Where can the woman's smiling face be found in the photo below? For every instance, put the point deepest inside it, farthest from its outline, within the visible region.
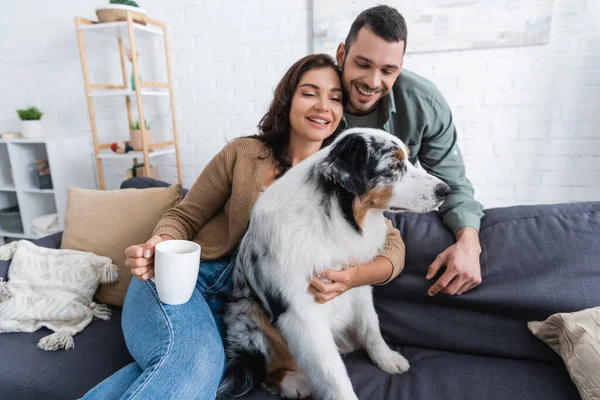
(316, 108)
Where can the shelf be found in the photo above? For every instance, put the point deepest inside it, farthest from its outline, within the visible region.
(16, 235)
(107, 153)
(70, 166)
(9, 200)
(7, 188)
(126, 92)
(25, 141)
(128, 31)
(36, 190)
(120, 28)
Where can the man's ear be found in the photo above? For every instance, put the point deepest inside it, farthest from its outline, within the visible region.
(346, 164)
(340, 54)
(399, 69)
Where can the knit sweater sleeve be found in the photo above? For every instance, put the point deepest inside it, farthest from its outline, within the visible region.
(394, 251)
(206, 196)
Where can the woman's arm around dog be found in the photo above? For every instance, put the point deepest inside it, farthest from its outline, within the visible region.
(384, 268)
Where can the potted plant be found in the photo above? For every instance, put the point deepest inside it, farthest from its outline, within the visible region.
(117, 11)
(31, 122)
(135, 133)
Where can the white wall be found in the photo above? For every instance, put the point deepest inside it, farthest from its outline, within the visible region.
(528, 117)
(226, 61)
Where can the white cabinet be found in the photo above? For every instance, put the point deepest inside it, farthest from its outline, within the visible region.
(71, 164)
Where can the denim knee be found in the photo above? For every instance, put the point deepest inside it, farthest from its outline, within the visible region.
(210, 355)
(205, 364)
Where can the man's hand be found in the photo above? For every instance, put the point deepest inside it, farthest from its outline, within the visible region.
(463, 271)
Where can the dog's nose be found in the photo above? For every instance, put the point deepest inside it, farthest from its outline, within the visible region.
(442, 191)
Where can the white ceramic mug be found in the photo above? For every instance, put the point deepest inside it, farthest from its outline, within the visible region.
(176, 265)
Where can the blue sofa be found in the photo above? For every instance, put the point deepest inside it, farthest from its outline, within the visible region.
(536, 261)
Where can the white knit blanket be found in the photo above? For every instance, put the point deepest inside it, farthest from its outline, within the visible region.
(52, 288)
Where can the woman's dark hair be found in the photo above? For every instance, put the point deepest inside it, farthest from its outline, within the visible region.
(385, 21)
(274, 127)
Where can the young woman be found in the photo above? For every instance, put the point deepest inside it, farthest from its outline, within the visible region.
(178, 350)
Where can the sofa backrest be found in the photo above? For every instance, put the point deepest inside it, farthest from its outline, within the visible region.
(535, 261)
(142, 182)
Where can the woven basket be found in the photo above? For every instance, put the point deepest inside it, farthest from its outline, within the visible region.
(117, 12)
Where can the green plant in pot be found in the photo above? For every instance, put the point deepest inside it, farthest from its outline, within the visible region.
(124, 2)
(117, 11)
(31, 122)
(135, 134)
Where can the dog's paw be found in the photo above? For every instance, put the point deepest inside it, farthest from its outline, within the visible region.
(292, 386)
(391, 362)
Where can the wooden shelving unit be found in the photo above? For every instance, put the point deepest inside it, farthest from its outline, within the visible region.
(143, 89)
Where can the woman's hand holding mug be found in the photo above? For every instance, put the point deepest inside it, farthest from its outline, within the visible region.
(140, 257)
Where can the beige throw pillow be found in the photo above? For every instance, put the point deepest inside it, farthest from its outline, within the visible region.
(106, 222)
(576, 338)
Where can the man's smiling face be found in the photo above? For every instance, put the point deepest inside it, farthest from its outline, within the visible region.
(369, 70)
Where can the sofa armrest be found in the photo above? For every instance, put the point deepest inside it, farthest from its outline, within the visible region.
(51, 241)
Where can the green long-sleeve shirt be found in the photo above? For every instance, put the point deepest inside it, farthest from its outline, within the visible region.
(416, 112)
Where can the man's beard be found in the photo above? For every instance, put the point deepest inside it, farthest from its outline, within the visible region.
(358, 106)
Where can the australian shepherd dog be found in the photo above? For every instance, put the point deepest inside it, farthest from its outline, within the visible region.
(326, 212)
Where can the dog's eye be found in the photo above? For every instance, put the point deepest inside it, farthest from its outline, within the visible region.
(396, 164)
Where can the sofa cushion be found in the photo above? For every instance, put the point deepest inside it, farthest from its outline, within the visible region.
(106, 222)
(535, 261)
(436, 374)
(27, 372)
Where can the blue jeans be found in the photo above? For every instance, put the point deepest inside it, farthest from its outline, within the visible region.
(178, 350)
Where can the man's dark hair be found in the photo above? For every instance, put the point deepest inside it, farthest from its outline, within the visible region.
(384, 21)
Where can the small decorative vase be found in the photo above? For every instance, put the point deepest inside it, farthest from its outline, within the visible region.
(136, 138)
(31, 129)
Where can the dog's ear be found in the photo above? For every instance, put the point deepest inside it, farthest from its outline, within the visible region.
(346, 164)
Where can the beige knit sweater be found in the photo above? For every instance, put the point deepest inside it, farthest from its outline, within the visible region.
(216, 211)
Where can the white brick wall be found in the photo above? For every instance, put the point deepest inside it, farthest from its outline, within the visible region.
(528, 117)
(226, 60)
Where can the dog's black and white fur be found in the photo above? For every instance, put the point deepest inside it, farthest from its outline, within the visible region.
(326, 212)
